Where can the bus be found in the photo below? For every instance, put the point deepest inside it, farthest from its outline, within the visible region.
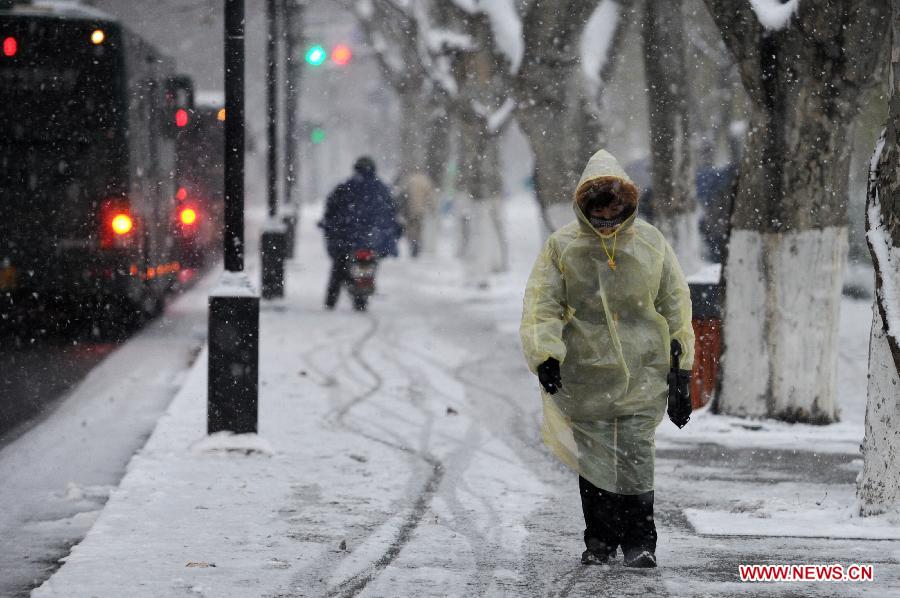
(89, 117)
(200, 182)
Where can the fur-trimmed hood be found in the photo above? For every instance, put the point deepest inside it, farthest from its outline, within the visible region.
(601, 170)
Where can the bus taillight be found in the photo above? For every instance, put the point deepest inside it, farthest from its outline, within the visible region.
(10, 47)
(188, 216)
(181, 118)
(116, 224)
(122, 224)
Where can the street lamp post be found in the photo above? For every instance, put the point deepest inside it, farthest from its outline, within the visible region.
(233, 367)
(272, 245)
(293, 34)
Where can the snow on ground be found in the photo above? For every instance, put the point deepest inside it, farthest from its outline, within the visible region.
(399, 455)
(56, 476)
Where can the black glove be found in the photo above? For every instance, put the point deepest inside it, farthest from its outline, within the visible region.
(549, 376)
(679, 407)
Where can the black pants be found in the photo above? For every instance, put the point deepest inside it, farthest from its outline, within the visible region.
(340, 273)
(614, 520)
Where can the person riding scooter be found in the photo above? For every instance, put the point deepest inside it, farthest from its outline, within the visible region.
(359, 215)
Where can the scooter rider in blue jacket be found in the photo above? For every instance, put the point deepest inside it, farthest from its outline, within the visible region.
(359, 214)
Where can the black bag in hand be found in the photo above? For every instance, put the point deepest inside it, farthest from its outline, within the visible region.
(679, 408)
(549, 376)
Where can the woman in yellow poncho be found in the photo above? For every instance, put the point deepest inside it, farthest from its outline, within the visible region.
(604, 300)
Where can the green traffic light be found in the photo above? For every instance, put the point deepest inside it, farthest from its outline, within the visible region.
(317, 136)
(316, 55)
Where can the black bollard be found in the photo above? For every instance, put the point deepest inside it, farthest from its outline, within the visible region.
(232, 403)
(272, 247)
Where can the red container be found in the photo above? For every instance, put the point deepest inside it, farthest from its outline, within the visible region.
(707, 350)
(706, 307)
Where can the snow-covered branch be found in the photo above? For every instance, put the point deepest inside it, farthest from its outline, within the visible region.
(886, 257)
(506, 26)
(597, 41)
(774, 15)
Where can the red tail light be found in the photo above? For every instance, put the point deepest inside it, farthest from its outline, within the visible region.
(181, 118)
(188, 216)
(364, 255)
(10, 47)
(116, 224)
(122, 224)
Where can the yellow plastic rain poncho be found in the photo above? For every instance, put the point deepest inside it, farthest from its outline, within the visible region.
(606, 306)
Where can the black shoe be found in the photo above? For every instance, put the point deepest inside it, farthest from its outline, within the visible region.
(639, 558)
(591, 557)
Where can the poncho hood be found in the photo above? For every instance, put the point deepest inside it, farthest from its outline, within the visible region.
(601, 170)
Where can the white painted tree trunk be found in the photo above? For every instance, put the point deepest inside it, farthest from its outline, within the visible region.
(486, 246)
(782, 309)
(682, 231)
(557, 216)
(789, 217)
(878, 485)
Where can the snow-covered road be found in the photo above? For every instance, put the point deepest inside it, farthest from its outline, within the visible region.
(57, 474)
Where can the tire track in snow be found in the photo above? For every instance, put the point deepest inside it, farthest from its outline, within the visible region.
(521, 427)
(521, 424)
(356, 583)
(480, 544)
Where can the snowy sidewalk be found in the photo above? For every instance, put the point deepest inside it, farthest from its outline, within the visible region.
(399, 455)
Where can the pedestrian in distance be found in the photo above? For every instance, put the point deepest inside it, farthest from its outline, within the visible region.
(359, 214)
(605, 306)
(419, 205)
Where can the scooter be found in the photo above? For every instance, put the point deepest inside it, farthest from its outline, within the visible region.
(362, 277)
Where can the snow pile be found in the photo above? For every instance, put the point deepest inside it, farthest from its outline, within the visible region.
(777, 518)
(77, 492)
(225, 443)
(708, 274)
(775, 14)
(234, 284)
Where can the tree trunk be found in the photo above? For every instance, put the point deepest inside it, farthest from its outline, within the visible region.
(555, 112)
(480, 185)
(557, 163)
(674, 201)
(878, 488)
(789, 225)
(413, 130)
(477, 72)
(437, 148)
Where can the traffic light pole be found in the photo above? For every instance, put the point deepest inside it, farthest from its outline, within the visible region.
(272, 245)
(233, 366)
